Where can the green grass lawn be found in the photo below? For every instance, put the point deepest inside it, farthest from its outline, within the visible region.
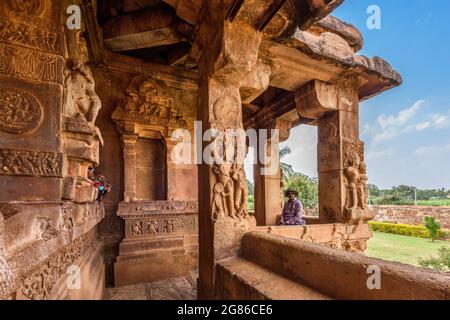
(404, 249)
(436, 203)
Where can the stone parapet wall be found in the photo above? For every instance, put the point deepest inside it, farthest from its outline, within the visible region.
(412, 215)
(339, 274)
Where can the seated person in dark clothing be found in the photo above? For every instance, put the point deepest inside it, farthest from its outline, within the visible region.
(292, 210)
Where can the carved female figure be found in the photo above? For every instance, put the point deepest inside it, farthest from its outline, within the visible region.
(223, 193)
(80, 97)
(351, 173)
(362, 183)
(241, 191)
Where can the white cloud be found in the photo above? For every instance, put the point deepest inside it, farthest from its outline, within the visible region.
(402, 117)
(395, 125)
(432, 151)
(436, 120)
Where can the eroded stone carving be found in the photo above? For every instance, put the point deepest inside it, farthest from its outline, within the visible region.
(30, 163)
(67, 223)
(6, 277)
(240, 191)
(8, 211)
(147, 101)
(20, 111)
(31, 35)
(136, 228)
(134, 209)
(223, 193)
(80, 99)
(40, 283)
(30, 64)
(43, 229)
(355, 182)
(163, 224)
(29, 7)
(227, 112)
(356, 246)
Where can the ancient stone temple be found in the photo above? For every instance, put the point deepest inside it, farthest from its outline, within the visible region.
(96, 98)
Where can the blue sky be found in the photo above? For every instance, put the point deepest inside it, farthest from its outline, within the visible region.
(407, 129)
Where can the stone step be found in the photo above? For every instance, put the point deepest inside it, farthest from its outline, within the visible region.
(240, 279)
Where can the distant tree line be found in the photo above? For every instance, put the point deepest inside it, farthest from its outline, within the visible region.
(406, 195)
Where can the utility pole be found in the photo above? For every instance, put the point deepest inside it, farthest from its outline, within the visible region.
(415, 196)
(368, 193)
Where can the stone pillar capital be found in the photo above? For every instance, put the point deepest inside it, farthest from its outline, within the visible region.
(129, 138)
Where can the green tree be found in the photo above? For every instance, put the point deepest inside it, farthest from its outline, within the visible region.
(306, 187)
(433, 227)
(374, 190)
(251, 188)
(441, 262)
(286, 169)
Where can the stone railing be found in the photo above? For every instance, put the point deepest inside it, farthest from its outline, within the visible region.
(412, 215)
(342, 275)
(339, 236)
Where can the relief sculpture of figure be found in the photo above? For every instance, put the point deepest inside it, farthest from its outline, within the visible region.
(223, 193)
(241, 191)
(362, 183)
(351, 172)
(80, 99)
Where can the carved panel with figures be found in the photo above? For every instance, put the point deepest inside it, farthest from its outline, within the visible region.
(30, 163)
(146, 104)
(28, 7)
(43, 36)
(30, 64)
(40, 283)
(20, 111)
(161, 225)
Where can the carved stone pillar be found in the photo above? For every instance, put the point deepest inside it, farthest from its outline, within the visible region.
(268, 187)
(342, 172)
(228, 54)
(171, 172)
(129, 158)
(31, 79)
(48, 140)
(267, 195)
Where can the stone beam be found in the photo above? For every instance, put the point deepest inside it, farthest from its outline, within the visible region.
(256, 82)
(146, 28)
(265, 116)
(188, 10)
(326, 56)
(309, 11)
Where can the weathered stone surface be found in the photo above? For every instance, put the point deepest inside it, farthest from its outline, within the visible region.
(351, 238)
(411, 215)
(184, 288)
(239, 279)
(317, 267)
(157, 234)
(345, 30)
(150, 27)
(68, 105)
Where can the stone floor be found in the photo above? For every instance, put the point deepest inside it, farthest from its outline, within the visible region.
(184, 288)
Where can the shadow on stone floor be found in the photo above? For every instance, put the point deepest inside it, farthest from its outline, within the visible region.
(184, 288)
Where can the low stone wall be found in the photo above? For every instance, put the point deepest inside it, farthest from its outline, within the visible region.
(339, 274)
(411, 214)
